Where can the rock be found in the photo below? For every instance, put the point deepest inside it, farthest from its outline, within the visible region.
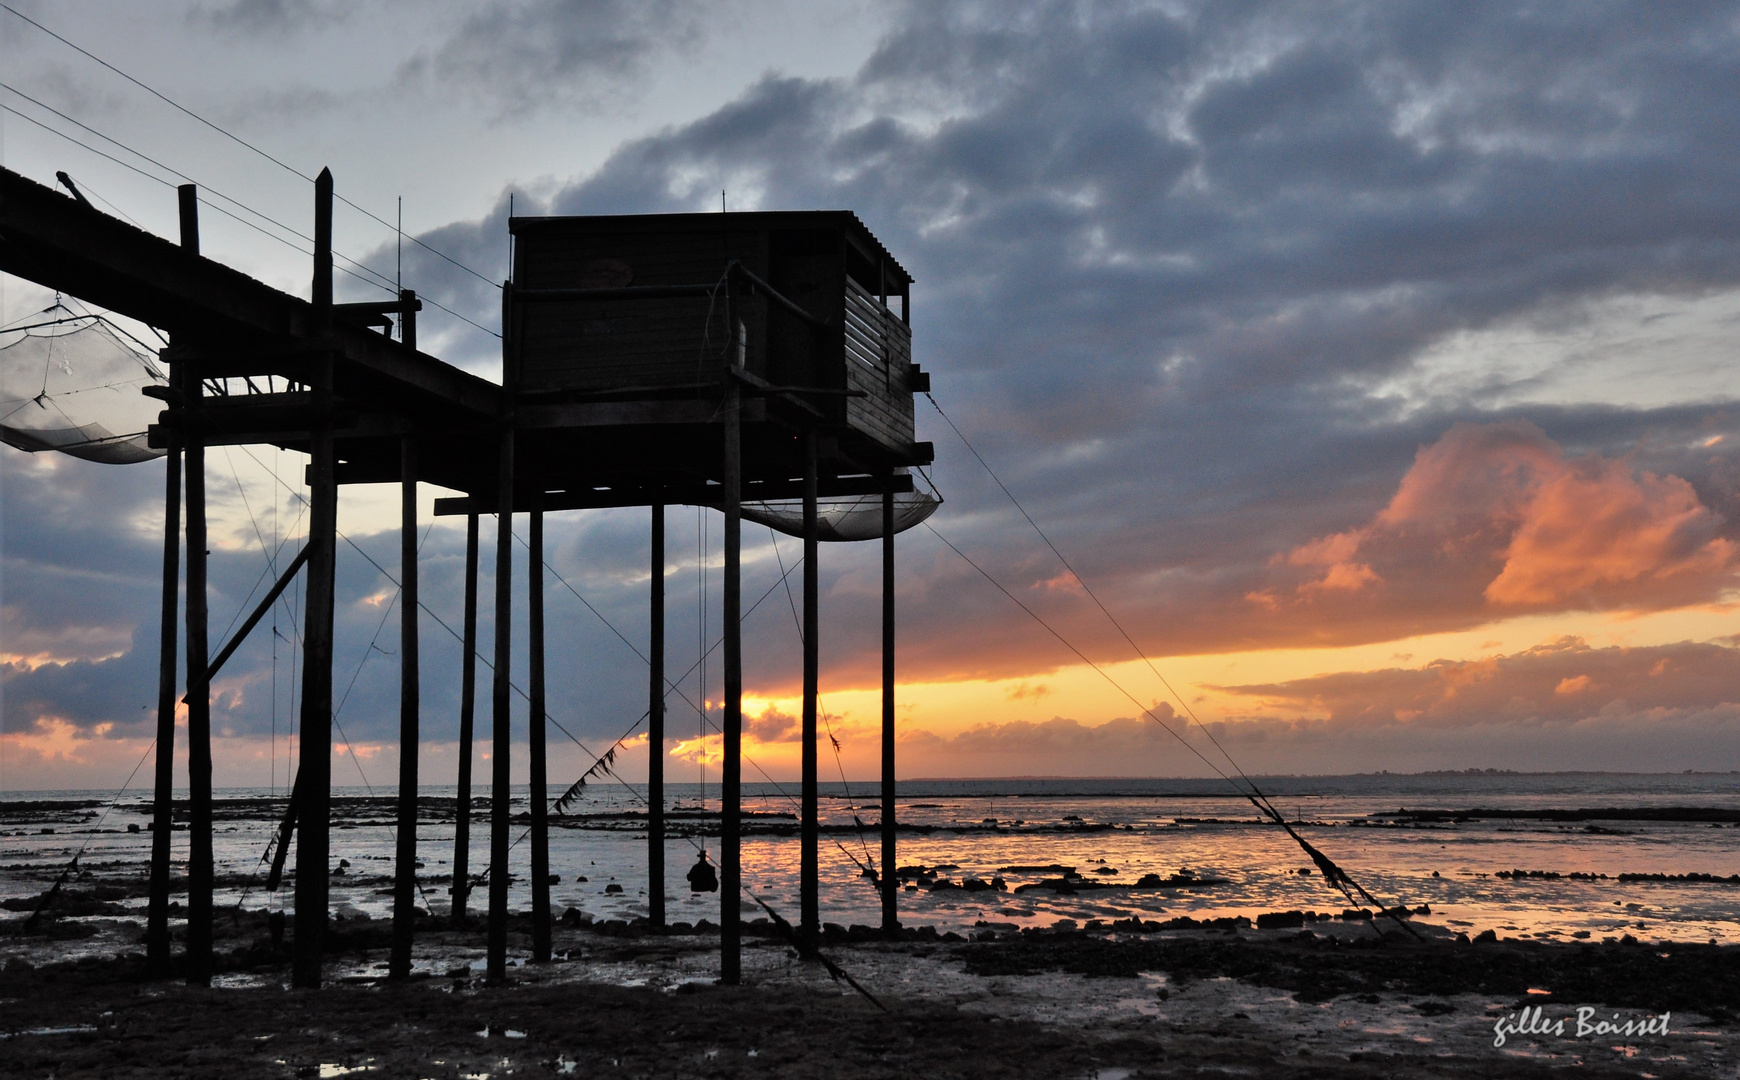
(1486, 937)
(612, 888)
(1280, 920)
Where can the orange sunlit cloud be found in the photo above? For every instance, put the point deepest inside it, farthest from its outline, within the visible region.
(1494, 519)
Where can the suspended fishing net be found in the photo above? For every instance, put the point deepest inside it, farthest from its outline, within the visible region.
(845, 518)
(70, 382)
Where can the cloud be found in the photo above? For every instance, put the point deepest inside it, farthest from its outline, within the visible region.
(1200, 242)
(1494, 519)
(1173, 264)
(529, 55)
(773, 726)
(1563, 682)
(1059, 746)
(1560, 706)
(269, 18)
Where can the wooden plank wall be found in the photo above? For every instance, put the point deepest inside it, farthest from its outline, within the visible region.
(878, 357)
(594, 345)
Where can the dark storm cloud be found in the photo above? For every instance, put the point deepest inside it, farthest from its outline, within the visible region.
(529, 55)
(270, 18)
(1165, 259)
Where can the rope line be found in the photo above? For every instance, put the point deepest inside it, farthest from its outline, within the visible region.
(368, 275)
(851, 802)
(48, 897)
(229, 135)
(1336, 876)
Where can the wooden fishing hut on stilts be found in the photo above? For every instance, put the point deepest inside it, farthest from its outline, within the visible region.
(751, 363)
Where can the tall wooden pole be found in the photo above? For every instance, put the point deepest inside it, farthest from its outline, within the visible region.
(655, 727)
(162, 813)
(157, 914)
(199, 822)
(731, 768)
(405, 850)
(496, 968)
(314, 775)
(467, 712)
(809, 868)
(890, 864)
(539, 783)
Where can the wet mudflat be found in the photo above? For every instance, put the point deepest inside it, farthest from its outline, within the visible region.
(1070, 1003)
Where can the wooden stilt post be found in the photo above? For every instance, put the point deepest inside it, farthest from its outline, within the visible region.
(467, 714)
(535, 756)
(162, 814)
(157, 914)
(315, 766)
(655, 727)
(731, 768)
(199, 822)
(500, 701)
(809, 868)
(405, 849)
(890, 863)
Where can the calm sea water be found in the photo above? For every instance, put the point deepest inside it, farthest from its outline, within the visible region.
(981, 827)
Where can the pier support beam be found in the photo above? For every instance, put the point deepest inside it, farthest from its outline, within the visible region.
(314, 776)
(405, 850)
(461, 886)
(890, 858)
(162, 813)
(539, 774)
(731, 768)
(809, 859)
(655, 726)
(500, 702)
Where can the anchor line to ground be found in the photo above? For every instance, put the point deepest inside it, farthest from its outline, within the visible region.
(1255, 795)
(851, 801)
(350, 747)
(60, 881)
(1335, 874)
(674, 687)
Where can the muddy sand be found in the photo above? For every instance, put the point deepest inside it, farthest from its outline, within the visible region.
(1112, 1002)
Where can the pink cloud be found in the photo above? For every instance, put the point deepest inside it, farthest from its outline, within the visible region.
(1496, 518)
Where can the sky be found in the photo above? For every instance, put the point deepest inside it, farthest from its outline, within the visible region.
(1368, 363)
